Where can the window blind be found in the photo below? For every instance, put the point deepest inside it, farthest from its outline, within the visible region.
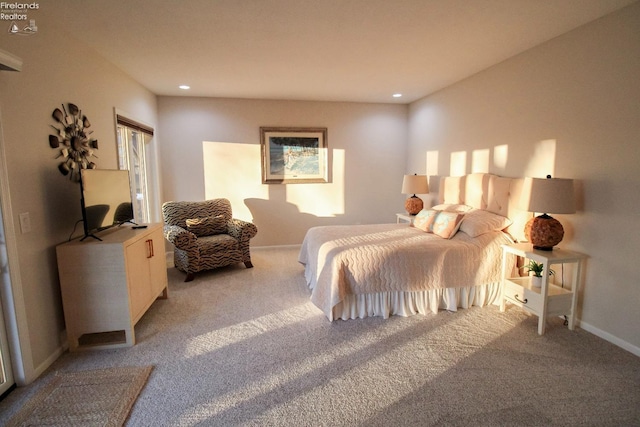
(125, 121)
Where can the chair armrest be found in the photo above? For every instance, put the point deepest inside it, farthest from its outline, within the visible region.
(241, 230)
(179, 237)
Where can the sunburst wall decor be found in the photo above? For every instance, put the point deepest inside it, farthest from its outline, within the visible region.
(73, 140)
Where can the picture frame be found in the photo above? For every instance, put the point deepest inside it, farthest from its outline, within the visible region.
(292, 155)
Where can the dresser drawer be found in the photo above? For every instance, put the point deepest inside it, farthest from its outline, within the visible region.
(519, 292)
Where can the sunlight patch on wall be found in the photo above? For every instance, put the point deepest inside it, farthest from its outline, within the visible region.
(458, 165)
(432, 162)
(500, 156)
(480, 161)
(434, 178)
(542, 160)
(232, 170)
(327, 200)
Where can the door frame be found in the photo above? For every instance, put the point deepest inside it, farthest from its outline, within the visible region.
(13, 306)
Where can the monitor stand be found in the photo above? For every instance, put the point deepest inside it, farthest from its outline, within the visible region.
(90, 235)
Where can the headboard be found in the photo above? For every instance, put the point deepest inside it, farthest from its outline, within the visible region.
(493, 193)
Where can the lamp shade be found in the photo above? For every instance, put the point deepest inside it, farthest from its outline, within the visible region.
(415, 184)
(548, 195)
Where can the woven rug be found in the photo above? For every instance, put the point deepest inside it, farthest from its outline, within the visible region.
(101, 397)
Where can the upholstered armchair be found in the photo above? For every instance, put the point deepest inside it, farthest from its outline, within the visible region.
(206, 236)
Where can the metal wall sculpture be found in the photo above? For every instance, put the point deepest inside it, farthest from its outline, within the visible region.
(73, 140)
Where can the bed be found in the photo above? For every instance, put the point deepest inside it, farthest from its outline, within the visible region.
(396, 269)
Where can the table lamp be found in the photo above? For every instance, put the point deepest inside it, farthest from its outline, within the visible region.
(550, 195)
(414, 184)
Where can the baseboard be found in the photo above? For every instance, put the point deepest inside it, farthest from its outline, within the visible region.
(40, 369)
(611, 338)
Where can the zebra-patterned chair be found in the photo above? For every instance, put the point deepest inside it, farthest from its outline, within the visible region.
(206, 236)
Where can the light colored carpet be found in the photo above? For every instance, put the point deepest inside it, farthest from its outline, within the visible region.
(245, 347)
(102, 397)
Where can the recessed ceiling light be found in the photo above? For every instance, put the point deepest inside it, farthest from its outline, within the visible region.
(397, 95)
(184, 87)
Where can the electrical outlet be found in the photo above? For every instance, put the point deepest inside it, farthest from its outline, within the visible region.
(25, 222)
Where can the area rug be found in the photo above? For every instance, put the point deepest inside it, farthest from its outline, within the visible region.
(101, 397)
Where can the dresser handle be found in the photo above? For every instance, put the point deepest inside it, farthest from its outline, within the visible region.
(150, 248)
(519, 300)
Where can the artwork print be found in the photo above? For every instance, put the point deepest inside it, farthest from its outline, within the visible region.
(294, 155)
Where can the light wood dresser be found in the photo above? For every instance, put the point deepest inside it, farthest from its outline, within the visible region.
(108, 285)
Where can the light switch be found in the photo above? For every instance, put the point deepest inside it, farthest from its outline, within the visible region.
(25, 222)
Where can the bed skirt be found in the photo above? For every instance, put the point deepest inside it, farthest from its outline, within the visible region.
(385, 304)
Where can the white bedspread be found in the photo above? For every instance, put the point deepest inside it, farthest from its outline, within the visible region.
(343, 261)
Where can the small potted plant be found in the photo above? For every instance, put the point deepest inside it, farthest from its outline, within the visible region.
(536, 268)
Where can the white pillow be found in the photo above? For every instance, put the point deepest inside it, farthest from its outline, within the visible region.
(452, 207)
(478, 221)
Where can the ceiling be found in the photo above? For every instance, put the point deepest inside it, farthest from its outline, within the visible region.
(323, 50)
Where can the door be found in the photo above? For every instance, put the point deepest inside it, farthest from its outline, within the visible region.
(7, 380)
(158, 264)
(137, 256)
(6, 374)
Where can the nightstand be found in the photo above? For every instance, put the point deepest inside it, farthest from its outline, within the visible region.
(550, 299)
(404, 217)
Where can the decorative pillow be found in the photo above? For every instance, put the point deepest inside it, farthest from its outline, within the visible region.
(207, 226)
(451, 207)
(479, 222)
(446, 224)
(424, 219)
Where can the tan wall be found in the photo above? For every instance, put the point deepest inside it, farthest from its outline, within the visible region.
(56, 70)
(569, 108)
(572, 100)
(211, 148)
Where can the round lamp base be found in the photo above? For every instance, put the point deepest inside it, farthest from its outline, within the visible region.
(413, 205)
(544, 232)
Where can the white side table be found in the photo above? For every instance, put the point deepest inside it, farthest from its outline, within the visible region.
(549, 299)
(404, 217)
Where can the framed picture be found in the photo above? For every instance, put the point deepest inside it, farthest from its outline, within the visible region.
(294, 155)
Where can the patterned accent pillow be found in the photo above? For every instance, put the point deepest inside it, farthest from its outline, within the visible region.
(446, 224)
(424, 219)
(207, 226)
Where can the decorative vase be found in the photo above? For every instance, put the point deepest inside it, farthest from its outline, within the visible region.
(536, 281)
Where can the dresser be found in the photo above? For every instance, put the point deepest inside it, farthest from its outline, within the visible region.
(107, 285)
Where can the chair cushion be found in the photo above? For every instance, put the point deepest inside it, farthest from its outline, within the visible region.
(217, 243)
(207, 226)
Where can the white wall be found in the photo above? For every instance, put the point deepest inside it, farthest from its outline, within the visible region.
(211, 148)
(56, 70)
(569, 108)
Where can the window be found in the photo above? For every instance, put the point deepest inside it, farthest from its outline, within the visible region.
(133, 137)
